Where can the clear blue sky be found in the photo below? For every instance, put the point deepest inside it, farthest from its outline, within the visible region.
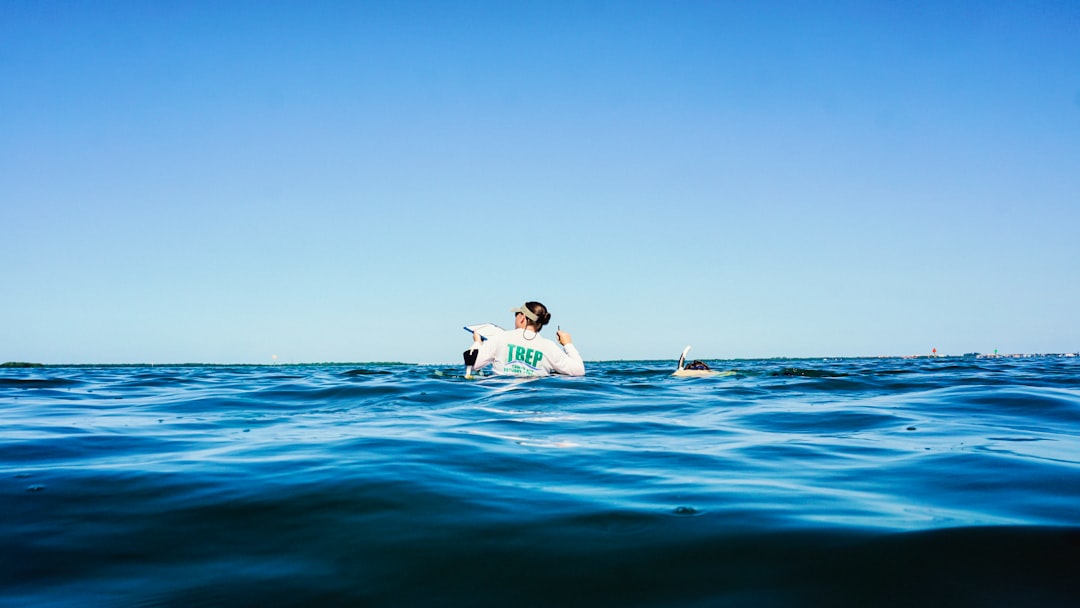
(351, 181)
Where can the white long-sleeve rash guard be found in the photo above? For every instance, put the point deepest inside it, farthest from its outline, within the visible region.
(522, 352)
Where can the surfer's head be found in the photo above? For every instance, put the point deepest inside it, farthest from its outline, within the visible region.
(695, 364)
(533, 314)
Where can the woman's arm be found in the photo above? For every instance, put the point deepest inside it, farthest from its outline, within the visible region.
(485, 351)
(569, 362)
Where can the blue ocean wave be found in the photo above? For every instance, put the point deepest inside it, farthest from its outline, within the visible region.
(839, 482)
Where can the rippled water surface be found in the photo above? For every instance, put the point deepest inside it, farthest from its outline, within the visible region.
(788, 482)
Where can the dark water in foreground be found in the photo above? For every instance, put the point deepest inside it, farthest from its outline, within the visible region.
(791, 483)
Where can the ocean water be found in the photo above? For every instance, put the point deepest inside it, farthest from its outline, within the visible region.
(854, 482)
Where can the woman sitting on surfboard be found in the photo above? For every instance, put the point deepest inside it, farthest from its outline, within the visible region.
(522, 351)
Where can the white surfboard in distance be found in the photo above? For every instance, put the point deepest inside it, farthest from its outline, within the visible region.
(486, 330)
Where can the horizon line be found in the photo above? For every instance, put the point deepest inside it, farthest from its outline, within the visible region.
(25, 364)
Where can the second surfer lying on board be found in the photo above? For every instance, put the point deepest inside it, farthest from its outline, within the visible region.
(695, 369)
